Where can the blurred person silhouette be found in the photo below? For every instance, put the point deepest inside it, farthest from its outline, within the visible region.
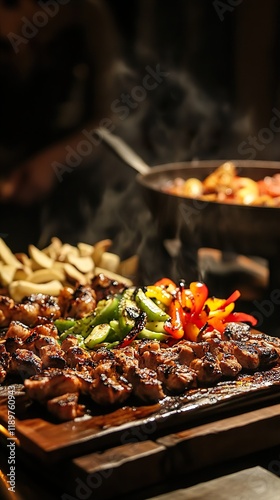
(59, 65)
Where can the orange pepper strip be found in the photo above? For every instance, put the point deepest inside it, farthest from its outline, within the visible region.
(191, 332)
(200, 293)
(174, 326)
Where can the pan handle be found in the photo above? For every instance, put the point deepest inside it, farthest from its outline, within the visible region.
(122, 150)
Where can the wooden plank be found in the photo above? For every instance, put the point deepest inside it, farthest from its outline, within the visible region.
(52, 441)
(116, 471)
(222, 440)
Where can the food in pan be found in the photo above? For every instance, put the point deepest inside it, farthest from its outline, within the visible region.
(108, 342)
(225, 186)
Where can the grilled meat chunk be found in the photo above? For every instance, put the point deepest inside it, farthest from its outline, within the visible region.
(108, 386)
(77, 303)
(70, 341)
(25, 363)
(52, 383)
(145, 383)
(5, 358)
(76, 356)
(207, 369)
(237, 331)
(66, 407)
(34, 306)
(152, 359)
(247, 355)
(17, 330)
(52, 356)
(6, 310)
(176, 378)
(104, 287)
(46, 329)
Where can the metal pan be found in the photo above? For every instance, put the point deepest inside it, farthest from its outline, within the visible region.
(248, 230)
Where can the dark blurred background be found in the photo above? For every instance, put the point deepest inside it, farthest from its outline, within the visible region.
(212, 69)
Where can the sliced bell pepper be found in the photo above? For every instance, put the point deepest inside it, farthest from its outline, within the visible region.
(159, 293)
(153, 311)
(166, 283)
(175, 325)
(242, 317)
(191, 332)
(200, 294)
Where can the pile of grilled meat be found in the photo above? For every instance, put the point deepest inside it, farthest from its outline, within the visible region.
(58, 374)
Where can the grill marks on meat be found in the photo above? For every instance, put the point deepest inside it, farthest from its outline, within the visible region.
(5, 358)
(74, 303)
(52, 383)
(77, 303)
(109, 387)
(6, 310)
(66, 407)
(25, 363)
(56, 375)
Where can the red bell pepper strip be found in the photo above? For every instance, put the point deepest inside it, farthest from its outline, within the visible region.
(241, 317)
(174, 326)
(166, 283)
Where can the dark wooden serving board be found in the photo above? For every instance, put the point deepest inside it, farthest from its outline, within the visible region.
(52, 441)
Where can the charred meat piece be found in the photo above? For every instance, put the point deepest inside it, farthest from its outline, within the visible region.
(145, 383)
(66, 407)
(43, 340)
(46, 329)
(36, 305)
(17, 330)
(224, 352)
(5, 358)
(52, 356)
(152, 359)
(104, 287)
(247, 355)
(25, 363)
(108, 386)
(70, 341)
(52, 383)
(268, 355)
(237, 331)
(76, 356)
(207, 369)
(176, 378)
(102, 355)
(77, 303)
(148, 345)
(185, 353)
(6, 309)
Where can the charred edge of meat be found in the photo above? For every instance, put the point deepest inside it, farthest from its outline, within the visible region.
(105, 287)
(237, 331)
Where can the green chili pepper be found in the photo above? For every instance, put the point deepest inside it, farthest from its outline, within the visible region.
(154, 312)
(98, 335)
(156, 326)
(148, 334)
(64, 324)
(84, 326)
(128, 312)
